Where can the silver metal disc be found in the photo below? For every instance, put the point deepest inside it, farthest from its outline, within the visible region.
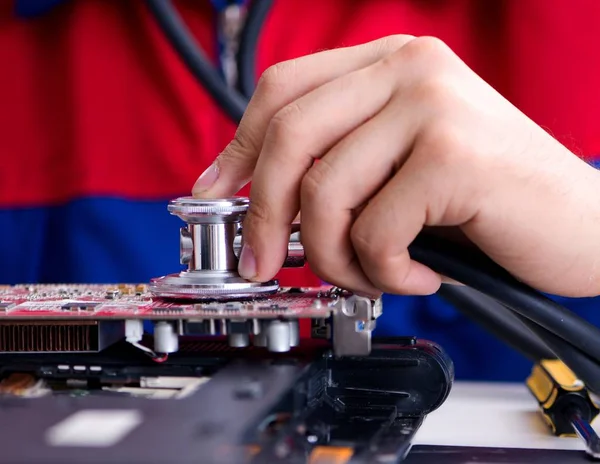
(210, 286)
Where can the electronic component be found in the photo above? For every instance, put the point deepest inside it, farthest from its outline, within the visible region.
(565, 403)
(41, 318)
(165, 338)
(278, 336)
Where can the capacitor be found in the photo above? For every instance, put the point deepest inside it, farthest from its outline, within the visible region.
(166, 339)
(278, 336)
(238, 333)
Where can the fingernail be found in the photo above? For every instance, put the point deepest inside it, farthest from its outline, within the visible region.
(206, 179)
(247, 264)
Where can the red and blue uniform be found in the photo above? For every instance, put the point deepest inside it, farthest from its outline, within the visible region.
(101, 124)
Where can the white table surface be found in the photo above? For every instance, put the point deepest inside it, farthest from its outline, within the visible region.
(491, 415)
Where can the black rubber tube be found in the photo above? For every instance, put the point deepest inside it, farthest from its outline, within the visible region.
(531, 340)
(496, 319)
(170, 22)
(476, 270)
(246, 55)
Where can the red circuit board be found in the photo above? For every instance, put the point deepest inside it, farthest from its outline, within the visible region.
(130, 301)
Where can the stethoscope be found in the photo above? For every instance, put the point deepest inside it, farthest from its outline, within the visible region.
(231, 99)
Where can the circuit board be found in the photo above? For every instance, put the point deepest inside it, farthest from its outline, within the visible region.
(131, 301)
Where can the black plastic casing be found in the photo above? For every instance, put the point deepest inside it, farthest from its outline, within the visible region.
(411, 374)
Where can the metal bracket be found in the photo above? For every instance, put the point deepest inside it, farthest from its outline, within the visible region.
(354, 319)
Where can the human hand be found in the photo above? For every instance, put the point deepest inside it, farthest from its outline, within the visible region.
(406, 137)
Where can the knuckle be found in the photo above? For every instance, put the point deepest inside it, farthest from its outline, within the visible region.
(419, 50)
(287, 123)
(258, 213)
(439, 95)
(314, 184)
(391, 63)
(276, 77)
(428, 48)
(444, 146)
(235, 162)
(244, 139)
(428, 55)
(239, 149)
(436, 91)
(363, 242)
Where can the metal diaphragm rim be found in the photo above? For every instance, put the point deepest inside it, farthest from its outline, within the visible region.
(176, 286)
(222, 206)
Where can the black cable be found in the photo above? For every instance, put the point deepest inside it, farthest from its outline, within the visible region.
(496, 319)
(586, 369)
(168, 19)
(476, 270)
(531, 340)
(246, 55)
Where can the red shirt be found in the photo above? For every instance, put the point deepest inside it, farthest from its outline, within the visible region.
(96, 80)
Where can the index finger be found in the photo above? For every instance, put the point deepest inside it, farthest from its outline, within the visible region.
(298, 135)
(279, 86)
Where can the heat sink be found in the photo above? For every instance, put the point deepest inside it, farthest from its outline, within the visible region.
(58, 336)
